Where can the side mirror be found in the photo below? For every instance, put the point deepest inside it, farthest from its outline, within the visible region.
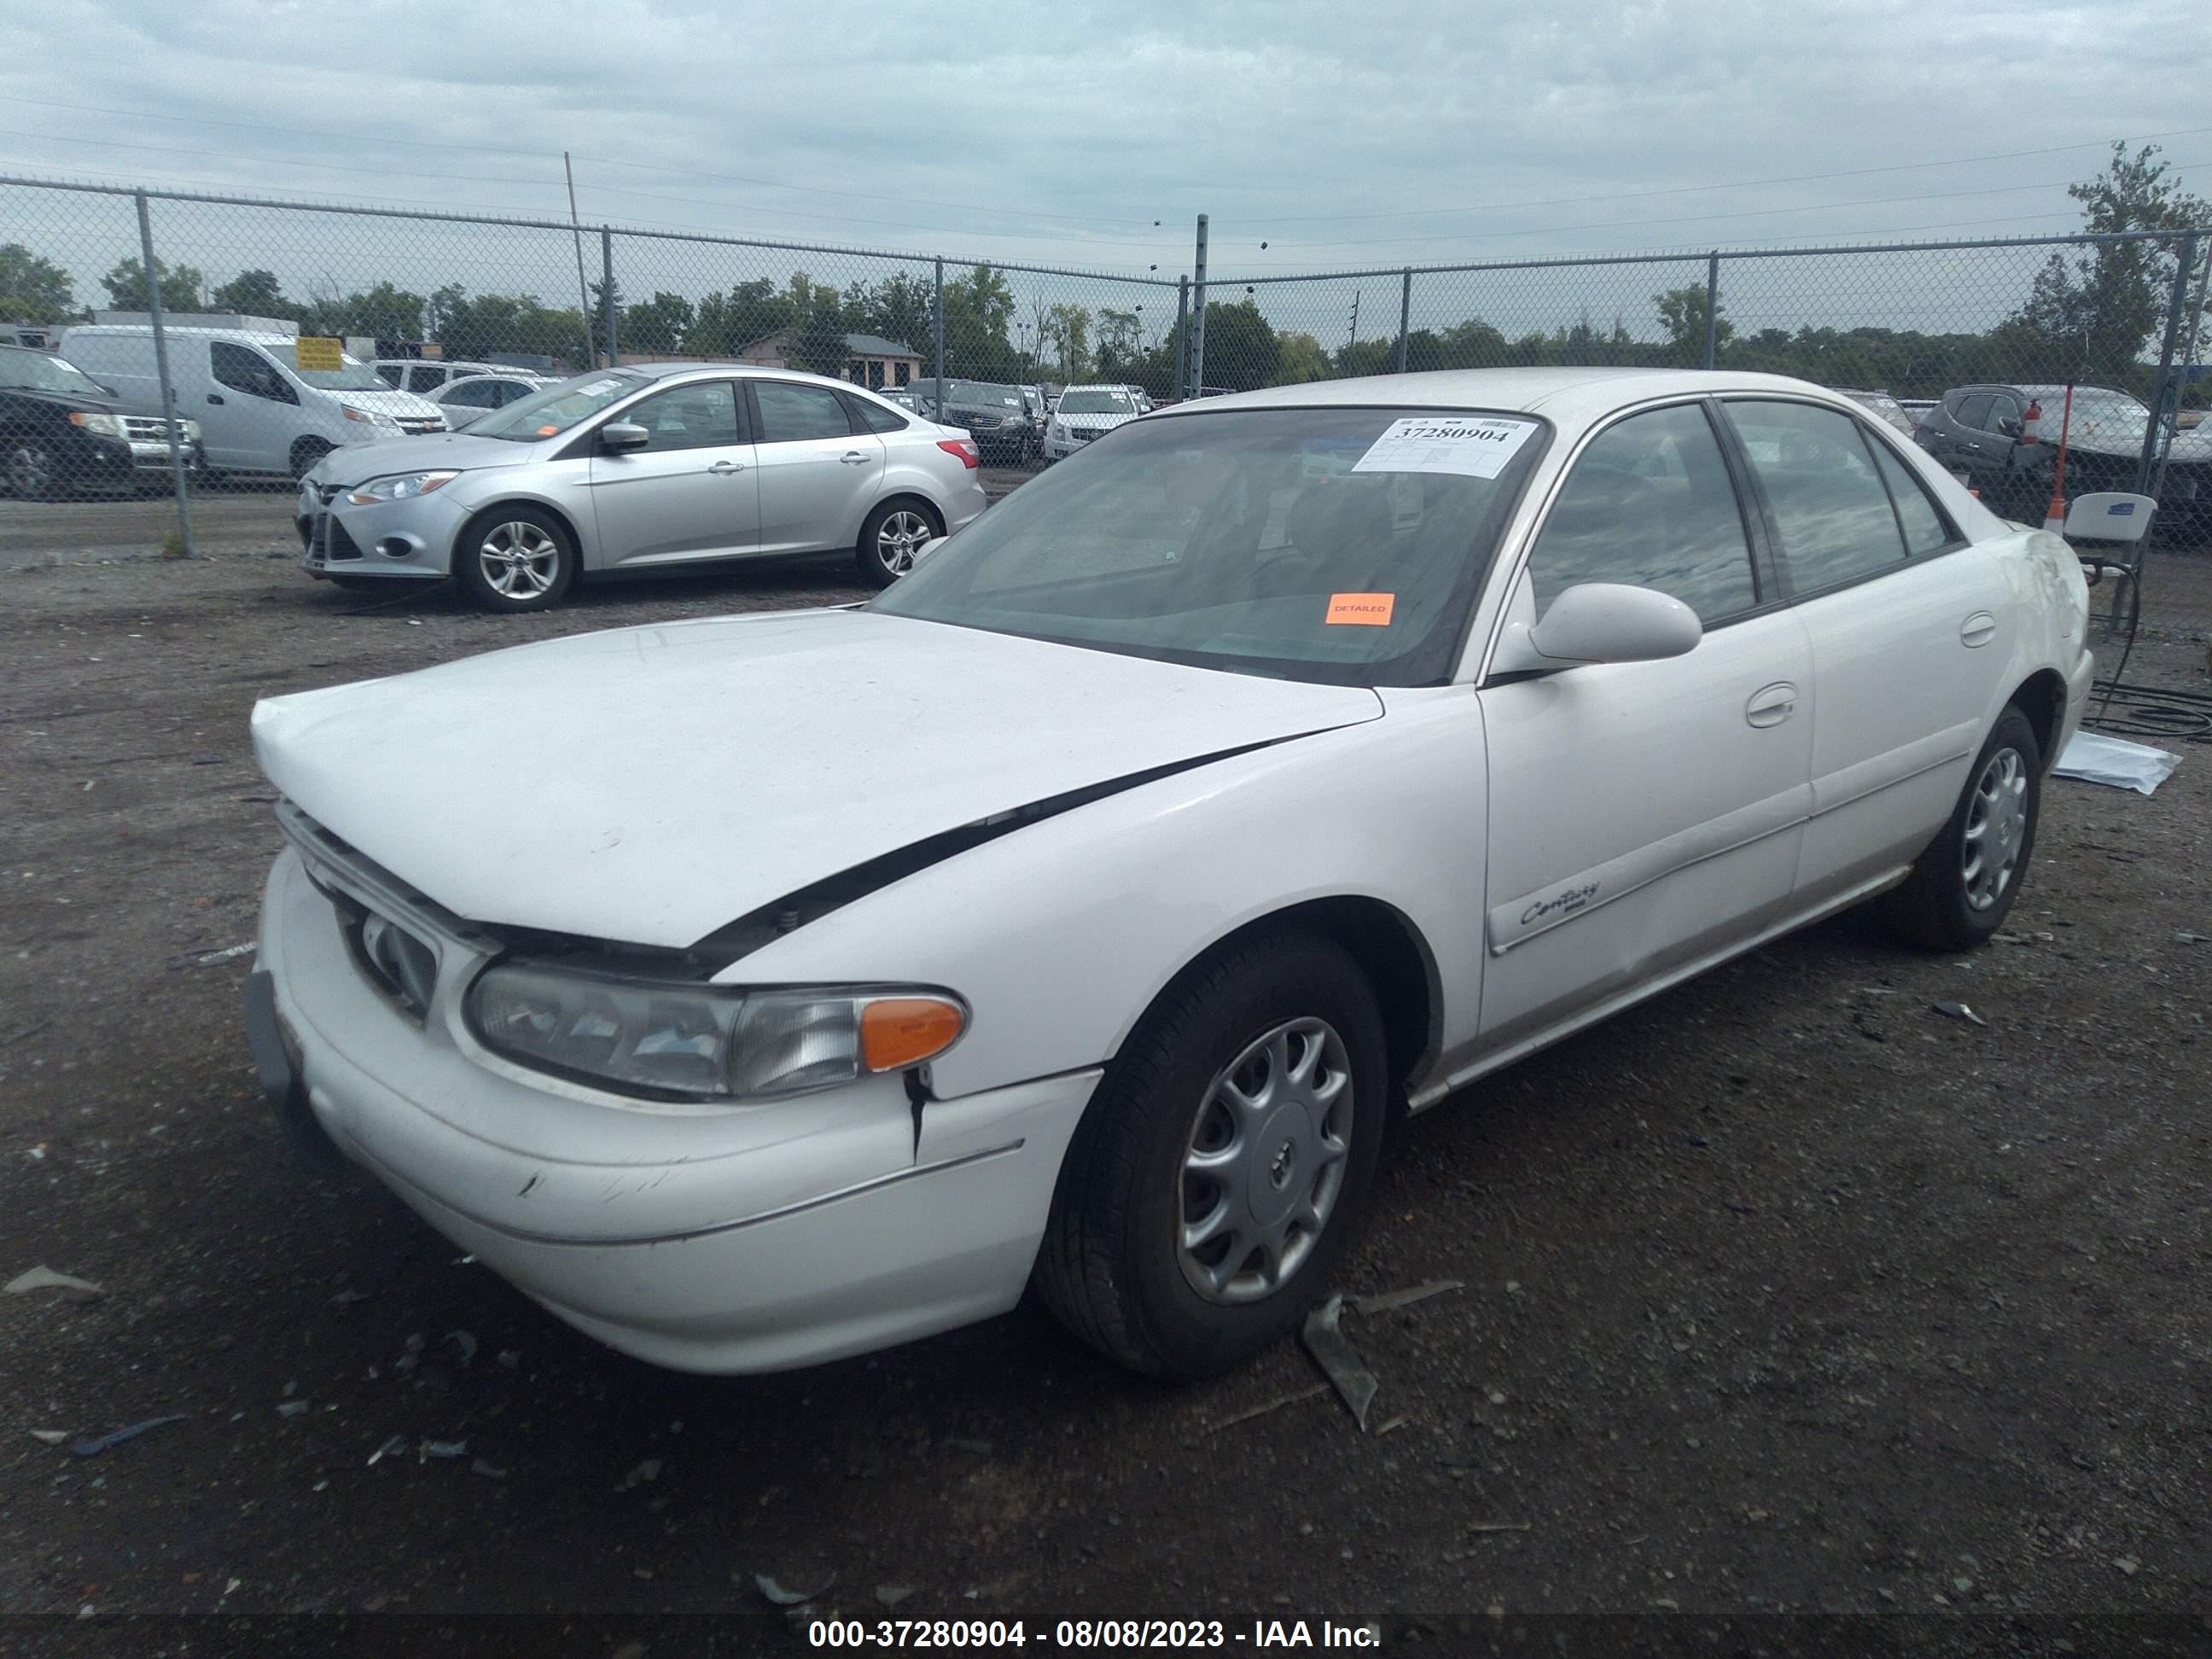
(2009, 425)
(618, 435)
(2110, 516)
(1606, 622)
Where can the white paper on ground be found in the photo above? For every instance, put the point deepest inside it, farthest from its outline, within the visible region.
(1471, 445)
(2097, 759)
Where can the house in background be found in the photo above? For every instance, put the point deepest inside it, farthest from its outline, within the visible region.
(870, 361)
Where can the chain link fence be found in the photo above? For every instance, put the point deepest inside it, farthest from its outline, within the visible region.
(439, 317)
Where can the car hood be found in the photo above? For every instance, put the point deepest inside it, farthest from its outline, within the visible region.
(650, 785)
(62, 400)
(377, 458)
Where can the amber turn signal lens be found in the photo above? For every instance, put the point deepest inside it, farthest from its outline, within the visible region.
(900, 1031)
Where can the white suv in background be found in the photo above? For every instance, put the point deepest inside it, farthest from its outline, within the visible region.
(1085, 412)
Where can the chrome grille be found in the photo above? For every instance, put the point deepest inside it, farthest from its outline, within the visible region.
(146, 428)
(414, 425)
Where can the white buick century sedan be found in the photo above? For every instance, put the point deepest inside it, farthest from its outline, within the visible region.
(1082, 910)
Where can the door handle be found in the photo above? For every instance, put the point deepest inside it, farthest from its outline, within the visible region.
(854, 457)
(724, 468)
(214, 398)
(1978, 629)
(1771, 705)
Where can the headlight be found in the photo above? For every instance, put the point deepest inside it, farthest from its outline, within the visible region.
(104, 425)
(401, 487)
(369, 417)
(705, 1042)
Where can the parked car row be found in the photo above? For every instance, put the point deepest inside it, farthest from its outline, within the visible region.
(2005, 439)
(60, 428)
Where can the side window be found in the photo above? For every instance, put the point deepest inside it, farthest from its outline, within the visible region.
(1651, 504)
(248, 371)
(390, 374)
(700, 416)
(1972, 411)
(790, 412)
(874, 417)
(511, 391)
(1828, 500)
(1925, 527)
(476, 394)
(2003, 408)
(425, 377)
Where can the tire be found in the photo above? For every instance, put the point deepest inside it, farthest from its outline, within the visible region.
(885, 549)
(1115, 1266)
(515, 559)
(1958, 894)
(305, 454)
(33, 473)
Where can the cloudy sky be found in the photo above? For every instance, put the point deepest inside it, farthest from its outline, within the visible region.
(1326, 136)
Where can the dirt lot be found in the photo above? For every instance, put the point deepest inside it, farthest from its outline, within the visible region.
(1785, 1292)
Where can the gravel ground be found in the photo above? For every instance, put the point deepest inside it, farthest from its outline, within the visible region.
(1785, 1292)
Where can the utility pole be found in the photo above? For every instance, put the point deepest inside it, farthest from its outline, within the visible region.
(583, 287)
(1197, 316)
(1355, 317)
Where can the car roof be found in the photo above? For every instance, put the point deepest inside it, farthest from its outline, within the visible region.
(742, 371)
(1570, 395)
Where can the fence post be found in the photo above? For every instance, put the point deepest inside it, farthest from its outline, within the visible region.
(1405, 314)
(607, 306)
(2187, 366)
(1712, 307)
(937, 314)
(175, 415)
(2182, 266)
(1197, 316)
(1182, 337)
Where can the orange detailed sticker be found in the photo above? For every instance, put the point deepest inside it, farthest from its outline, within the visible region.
(1361, 610)
(547, 431)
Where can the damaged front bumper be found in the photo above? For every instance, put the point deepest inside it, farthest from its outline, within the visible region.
(709, 1237)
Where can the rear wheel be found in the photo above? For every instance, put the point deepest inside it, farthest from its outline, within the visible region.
(1220, 1171)
(1962, 888)
(889, 539)
(515, 558)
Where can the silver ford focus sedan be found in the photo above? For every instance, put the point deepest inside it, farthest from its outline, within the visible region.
(639, 468)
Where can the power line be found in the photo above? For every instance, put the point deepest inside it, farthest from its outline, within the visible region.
(542, 155)
(1707, 218)
(1740, 184)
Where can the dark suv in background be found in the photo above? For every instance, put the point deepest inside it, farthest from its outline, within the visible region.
(1980, 431)
(60, 430)
(996, 416)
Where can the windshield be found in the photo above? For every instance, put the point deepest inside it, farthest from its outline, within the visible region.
(969, 393)
(550, 411)
(1340, 545)
(1095, 401)
(37, 372)
(2099, 416)
(351, 376)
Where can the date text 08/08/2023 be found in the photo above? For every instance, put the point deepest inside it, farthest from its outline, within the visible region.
(997, 1635)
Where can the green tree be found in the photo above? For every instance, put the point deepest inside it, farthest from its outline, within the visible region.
(126, 286)
(1241, 351)
(2095, 313)
(659, 323)
(32, 290)
(1067, 335)
(1682, 314)
(254, 293)
(901, 308)
(979, 309)
(1299, 358)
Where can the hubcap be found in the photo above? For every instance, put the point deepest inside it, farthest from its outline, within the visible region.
(1996, 825)
(895, 542)
(29, 470)
(1265, 1163)
(519, 561)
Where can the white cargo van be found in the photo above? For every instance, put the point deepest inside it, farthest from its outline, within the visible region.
(239, 378)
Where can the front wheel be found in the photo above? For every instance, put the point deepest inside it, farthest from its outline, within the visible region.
(515, 558)
(1962, 888)
(1219, 1171)
(894, 533)
(33, 475)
